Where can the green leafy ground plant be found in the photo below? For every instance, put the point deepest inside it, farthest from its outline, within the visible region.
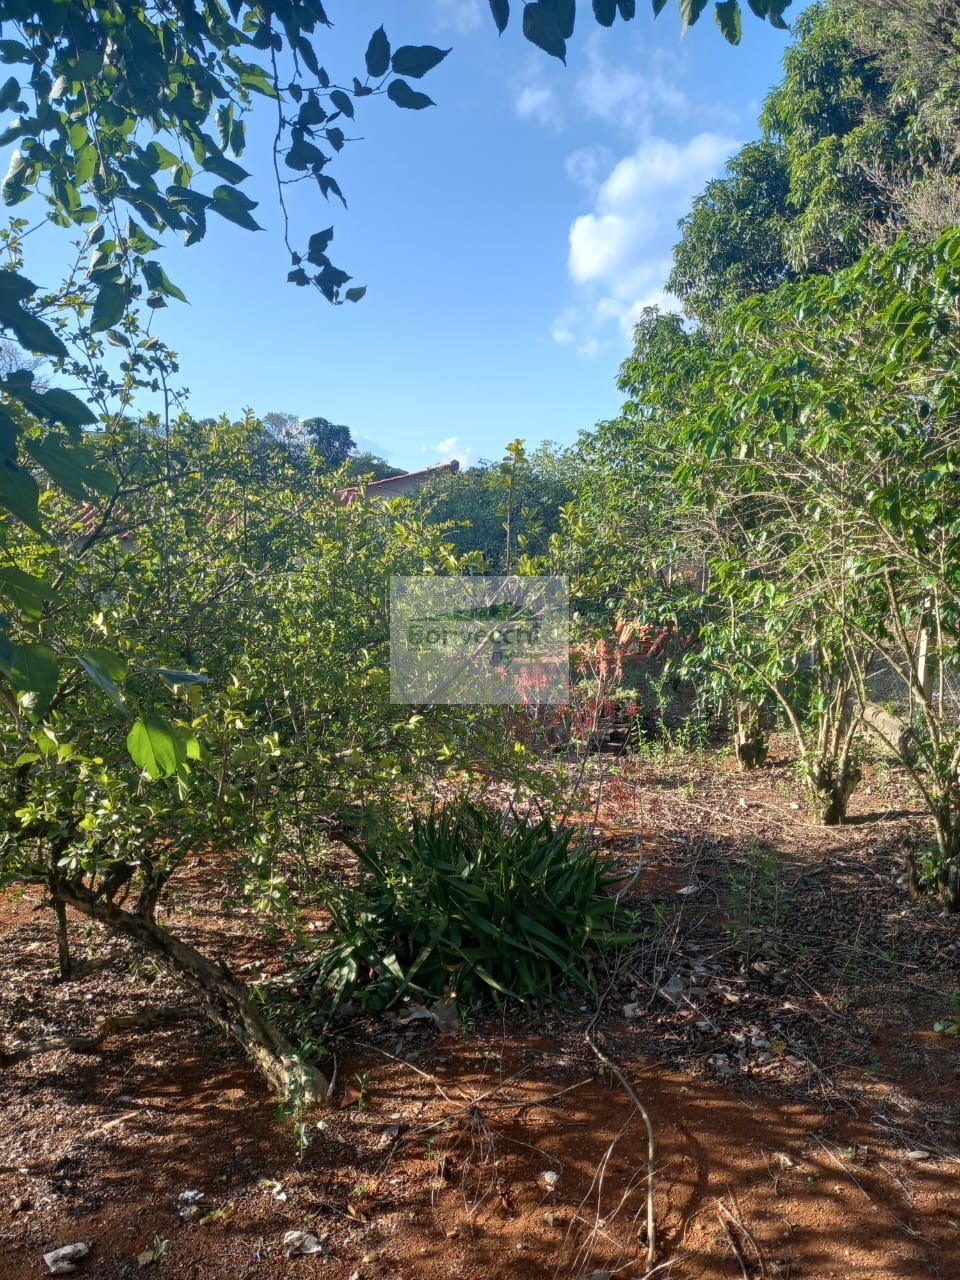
(471, 905)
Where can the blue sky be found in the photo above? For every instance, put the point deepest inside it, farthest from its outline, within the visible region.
(507, 236)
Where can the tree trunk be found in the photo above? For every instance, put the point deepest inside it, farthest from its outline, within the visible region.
(226, 1000)
(63, 941)
(947, 823)
(829, 789)
(749, 740)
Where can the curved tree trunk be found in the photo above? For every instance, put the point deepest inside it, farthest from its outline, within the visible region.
(226, 1000)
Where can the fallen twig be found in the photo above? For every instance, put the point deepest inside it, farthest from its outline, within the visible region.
(648, 1124)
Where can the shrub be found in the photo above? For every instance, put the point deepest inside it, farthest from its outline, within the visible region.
(471, 905)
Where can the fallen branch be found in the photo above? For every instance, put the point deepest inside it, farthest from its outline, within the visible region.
(648, 1123)
(104, 1027)
(735, 1248)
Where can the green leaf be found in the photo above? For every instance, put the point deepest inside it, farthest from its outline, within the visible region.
(311, 112)
(34, 334)
(541, 28)
(158, 280)
(33, 674)
(565, 12)
(317, 246)
(14, 288)
(28, 593)
(152, 746)
(727, 14)
(9, 434)
(30, 331)
(399, 92)
(343, 102)
(628, 8)
(416, 60)
(109, 307)
(605, 11)
(172, 677)
(222, 167)
(19, 494)
(13, 51)
(72, 469)
(378, 54)
(690, 11)
(355, 294)
(57, 405)
(235, 207)
(105, 668)
(9, 93)
(501, 14)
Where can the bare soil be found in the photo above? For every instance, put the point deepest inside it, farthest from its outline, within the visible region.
(776, 1021)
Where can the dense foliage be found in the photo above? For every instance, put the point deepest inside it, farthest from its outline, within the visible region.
(782, 479)
(505, 514)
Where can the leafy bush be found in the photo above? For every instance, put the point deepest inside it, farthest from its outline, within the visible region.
(470, 905)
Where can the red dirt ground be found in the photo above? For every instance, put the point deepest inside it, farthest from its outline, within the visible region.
(807, 1116)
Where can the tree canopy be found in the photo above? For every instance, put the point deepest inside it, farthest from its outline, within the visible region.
(860, 143)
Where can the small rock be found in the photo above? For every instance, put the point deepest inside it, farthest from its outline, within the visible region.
(414, 1012)
(296, 1243)
(549, 1180)
(917, 1155)
(372, 1256)
(60, 1262)
(147, 1258)
(722, 1064)
(354, 1275)
(390, 1135)
(630, 1010)
(188, 1204)
(673, 990)
(447, 1015)
(550, 1219)
(21, 1204)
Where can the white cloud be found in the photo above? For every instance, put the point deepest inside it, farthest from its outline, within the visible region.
(619, 252)
(563, 330)
(629, 97)
(587, 165)
(633, 97)
(458, 15)
(447, 450)
(598, 244)
(539, 102)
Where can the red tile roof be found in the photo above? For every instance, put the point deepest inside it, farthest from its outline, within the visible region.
(396, 486)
